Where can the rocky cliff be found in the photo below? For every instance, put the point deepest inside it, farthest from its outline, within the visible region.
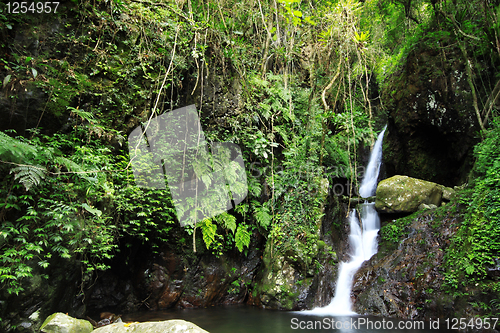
(432, 129)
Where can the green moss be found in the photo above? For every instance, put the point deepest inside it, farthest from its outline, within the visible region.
(396, 230)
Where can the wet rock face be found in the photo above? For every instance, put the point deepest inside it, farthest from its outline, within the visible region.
(25, 110)
(42, 296)
(402, 194)
(174, 278)
(405, 279)
(432, 126)
(303, 274)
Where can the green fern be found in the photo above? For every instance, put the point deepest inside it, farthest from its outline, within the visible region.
(29, 175)
(228, 220)
(208, 229)
(32, 173)
(84, 115)
(262, 214)
(242, 237)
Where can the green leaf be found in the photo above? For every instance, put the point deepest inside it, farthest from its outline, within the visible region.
(242, 237)
(35, 73)
(308, 20)
(262, 216)
(206, 180)
(229, 221)
(91, 210)
(6, 80)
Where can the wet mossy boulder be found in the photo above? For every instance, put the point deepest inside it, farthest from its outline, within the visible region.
(403, 194)
(168, 326)
(62, 323)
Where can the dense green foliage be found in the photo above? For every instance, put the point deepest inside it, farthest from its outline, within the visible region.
(476, 246)
(60, 217)
(308, 76)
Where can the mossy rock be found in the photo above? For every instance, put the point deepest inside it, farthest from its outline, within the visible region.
(61, 323)
(448, 193)
(168, 326)
(403, 194)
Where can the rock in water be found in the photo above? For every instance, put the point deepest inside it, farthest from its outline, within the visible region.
(168, 326)
(403, 194)
(61, 323)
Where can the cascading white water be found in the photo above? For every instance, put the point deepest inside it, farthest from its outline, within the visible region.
(363, 243)
(369, 183)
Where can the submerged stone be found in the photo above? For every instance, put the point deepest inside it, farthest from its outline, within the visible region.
(403, 194)
(62, 323)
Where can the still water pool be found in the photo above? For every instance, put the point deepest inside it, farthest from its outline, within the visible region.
(246, 319)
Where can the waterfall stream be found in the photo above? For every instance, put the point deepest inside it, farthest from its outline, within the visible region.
(362, 240)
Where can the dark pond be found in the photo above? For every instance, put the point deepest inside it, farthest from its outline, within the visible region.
(246, 319)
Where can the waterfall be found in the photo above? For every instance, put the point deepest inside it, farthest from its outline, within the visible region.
(363, 242)
(369, 182)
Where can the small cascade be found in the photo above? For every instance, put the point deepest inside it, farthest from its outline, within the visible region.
(362, 240)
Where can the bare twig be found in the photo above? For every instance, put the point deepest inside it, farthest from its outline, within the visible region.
(157, 99)
(329, 86)
(164, 5)
(490, 102)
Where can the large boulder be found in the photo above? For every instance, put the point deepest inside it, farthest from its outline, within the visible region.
(168, 326)
(61, 323)
(403, 194)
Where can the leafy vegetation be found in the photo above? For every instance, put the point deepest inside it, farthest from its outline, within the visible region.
(300, 86)
(476, 246)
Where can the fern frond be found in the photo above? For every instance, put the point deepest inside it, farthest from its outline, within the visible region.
(262, 216)
(208, 229)
(84, 115)
(69, 164)
(228, 220)
(15, 150)
(29, 175)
